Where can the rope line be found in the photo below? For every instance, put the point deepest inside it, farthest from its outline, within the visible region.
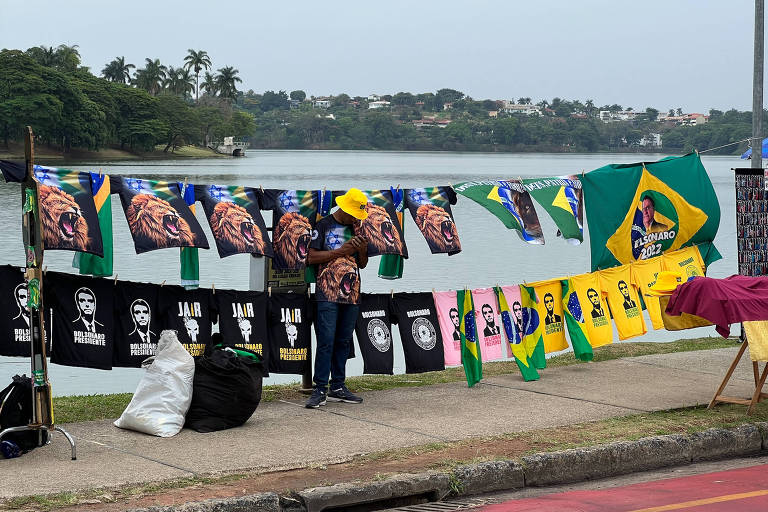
(725, 145)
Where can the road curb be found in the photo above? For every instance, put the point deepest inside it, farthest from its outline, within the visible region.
(541, 469)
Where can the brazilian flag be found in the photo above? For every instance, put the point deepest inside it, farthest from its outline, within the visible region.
(470, 345)
(638, 211)
(574, 319)
(515, 338)
(533, 336)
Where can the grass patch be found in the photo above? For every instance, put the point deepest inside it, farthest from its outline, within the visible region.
(71, 409)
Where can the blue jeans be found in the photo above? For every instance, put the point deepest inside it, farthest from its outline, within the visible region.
(334, 325)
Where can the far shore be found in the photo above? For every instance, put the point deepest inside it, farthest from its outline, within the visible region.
(47, 154)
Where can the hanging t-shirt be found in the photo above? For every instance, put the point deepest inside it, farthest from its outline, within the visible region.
(686, 261)
(138, 323)
(374, 333)
(82, 322)
(235, 220)
(596, 315)
(339, 279)
(550, 309)
(294, 214)
(191, 313)
(417, 321)
(488, 320)
(243, 319)
(290, 334)
(15, 318)
(448, 317)
(382, 226)
(431, 211)
(644, 274)
(623, 300)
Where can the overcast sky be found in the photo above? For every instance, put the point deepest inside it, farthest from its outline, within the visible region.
(694, 54)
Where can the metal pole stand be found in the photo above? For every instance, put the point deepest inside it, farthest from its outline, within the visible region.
(40, 428)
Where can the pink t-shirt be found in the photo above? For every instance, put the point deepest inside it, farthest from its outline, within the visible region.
(448, 316)
(488, 322)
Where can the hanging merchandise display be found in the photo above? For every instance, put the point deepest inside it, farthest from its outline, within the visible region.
(13, 172)
(82, 320)
(382, 227)
(235, 219)
(488, 321)
(294, 212)
(68, 214)
(688, 262)
(419, 332)
(158, 217)
(471, 352)
(449, 319)
(290, 334)
(137, 322)
(637, 211)
(510, 202)
(15, 319)
(512, 320)
(243, 319)
(596, 314)
(191, 314)
(339, 279)
(374, 334)
(533, 328)
(562, 199)
(574, 319)
(189, 258)
(431, 211)
(644, 273)
(550, 309)
(391, 265)
(623, 300)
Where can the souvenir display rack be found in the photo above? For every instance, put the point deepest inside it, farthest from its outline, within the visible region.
(752, 221)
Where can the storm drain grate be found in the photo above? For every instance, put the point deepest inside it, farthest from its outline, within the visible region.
(444, 506)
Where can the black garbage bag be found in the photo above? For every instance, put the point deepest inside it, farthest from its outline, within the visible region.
(226, 389)
(16, 410)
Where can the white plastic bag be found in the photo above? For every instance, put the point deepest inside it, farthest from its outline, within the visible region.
(162, 398)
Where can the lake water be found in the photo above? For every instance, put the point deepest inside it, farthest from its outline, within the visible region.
(491, 254)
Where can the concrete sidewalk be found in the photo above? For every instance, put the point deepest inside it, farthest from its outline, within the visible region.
(283, 435)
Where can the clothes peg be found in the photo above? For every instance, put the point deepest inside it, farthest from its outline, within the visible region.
(163, 283)
(392, 294)
(213, 288)
(116, 279)
(269, 291)
(261, 188)
(45, 270)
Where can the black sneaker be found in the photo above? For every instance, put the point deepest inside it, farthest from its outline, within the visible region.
(316, 399)
(343, 395)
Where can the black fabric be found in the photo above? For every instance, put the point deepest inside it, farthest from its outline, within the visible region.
(191, 313)
(290, 333)
(243, 319)
(235, 220)
(382, 227)
(294, 212)
(157, 215)
(16, 410)
(416, 316)
(374, 333)
(137, 322)
(13, 172)
(82, 320)
(14, 320)
(226, 391)
(431, 211)
(339, 279)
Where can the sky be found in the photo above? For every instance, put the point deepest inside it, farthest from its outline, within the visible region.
(692, 54)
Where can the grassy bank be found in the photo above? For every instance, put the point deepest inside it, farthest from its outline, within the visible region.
(70, 409)
(45, 154)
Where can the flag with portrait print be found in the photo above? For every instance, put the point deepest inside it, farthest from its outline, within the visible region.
(471, 356)
(574, 320)
(513, 329)
(561, 197)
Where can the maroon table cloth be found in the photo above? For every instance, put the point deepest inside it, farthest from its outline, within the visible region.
(722, 301)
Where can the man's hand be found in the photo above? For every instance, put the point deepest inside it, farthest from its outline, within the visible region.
(360, 244)
(349, 248)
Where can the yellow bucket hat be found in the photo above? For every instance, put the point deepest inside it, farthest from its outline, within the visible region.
(666, 283)
(355, 203)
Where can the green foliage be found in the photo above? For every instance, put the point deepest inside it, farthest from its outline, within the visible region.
(298, 95)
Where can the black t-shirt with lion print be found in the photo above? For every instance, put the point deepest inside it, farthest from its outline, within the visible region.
(339, 279)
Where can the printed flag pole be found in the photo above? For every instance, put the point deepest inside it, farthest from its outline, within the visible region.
(190, 260)
(471, 358)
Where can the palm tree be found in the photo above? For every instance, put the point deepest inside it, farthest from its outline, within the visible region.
(118, 71)
(225, 82)
(67, 57)
(197, 60)
(209, 84)
(44, 55)
(151, 77)
(178, 81)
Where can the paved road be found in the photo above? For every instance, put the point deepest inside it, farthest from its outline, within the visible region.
(736, 490)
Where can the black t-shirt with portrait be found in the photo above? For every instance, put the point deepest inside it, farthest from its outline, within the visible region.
(191, 313)
(416, 316)
(339, 279)
(243, 319)
(14, 320)
(374, 333)
(290, 333)
(137, 317)
(82, 320)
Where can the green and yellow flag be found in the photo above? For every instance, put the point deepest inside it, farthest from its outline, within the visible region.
(514, 334)
(561, 197)
(638, 211)
(574, 319)
(102, 198)
(533, 339)
(470, 345)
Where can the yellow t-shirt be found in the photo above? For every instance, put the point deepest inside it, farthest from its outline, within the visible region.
(550, 309)
(686, 261)
(596, 315)
(623, 301)
(644, 274)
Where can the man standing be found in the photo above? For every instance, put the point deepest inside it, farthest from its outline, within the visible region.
(549, 303)
(491, 329)
(339, 256)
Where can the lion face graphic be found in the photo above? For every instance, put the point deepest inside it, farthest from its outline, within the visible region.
(234, 226)
(338, 280)
(155, 222)
(291, 241)
(380, 232)
(438, 228)
(64, 226)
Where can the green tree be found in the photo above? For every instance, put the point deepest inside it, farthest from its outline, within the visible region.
(272, 100)
(197, 60)
(209, 84)
(179, 81)
(226, 82)
(118, 71)
(524, 101)
(298, 95)
(151, 76)
(404, 99)
(651, 114)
